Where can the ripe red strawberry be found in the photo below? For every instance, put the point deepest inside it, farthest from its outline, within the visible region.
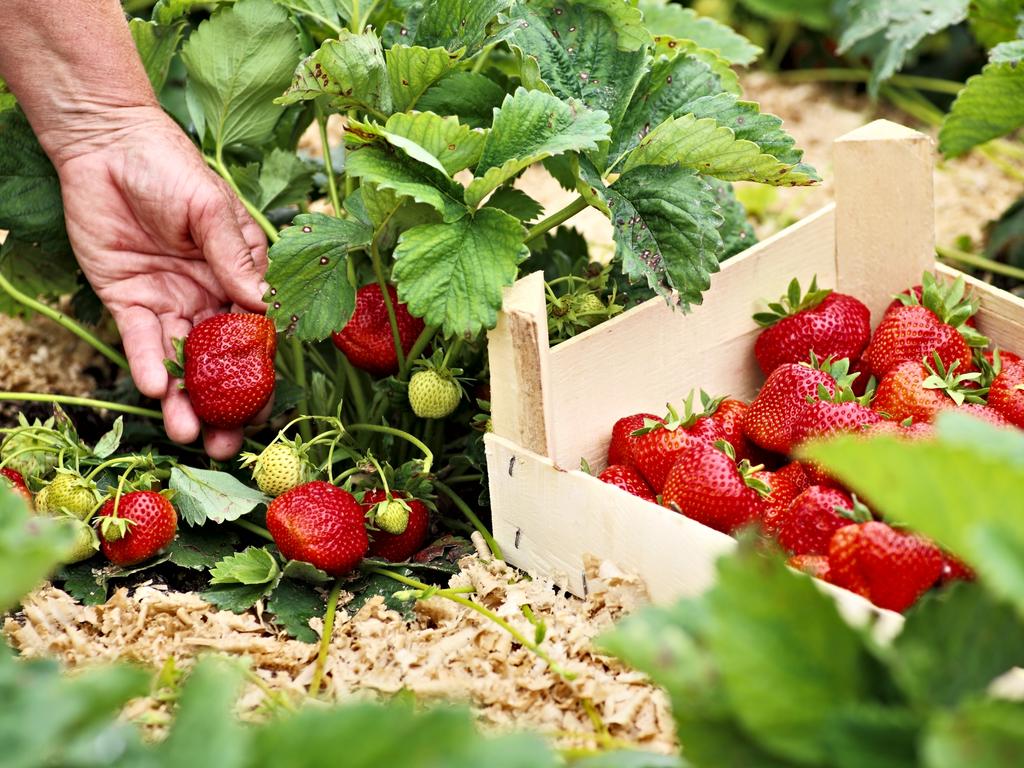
(826, 323)
(955, 569)
(320, 524)
(398, 547)
(985, 413)
(917, 330)
(15, 482)
(812, 565)
(1006, 395)
(814, 516)
(367, 340)
(918, 391)
(628, 479)
(144, 525)
(775, 411)
(861, 379)
(620, 449)
(728, 413)
(919, 430)
(892, 569)
(229, 368)
(916, 292)
(707, 485)
(785, 484)
(1004, 357)
(825, 416)
(655, 451)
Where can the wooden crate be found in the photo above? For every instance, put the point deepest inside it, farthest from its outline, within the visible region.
(552, 406)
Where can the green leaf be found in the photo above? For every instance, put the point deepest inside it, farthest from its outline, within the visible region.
(7, 100)
(205, 495)
(307, 572)
(954, 644)
(37, 271)
(747, 122)
(707, 147)
(168, 11)
(457, 25)
(672, 20)
(989, 106)
(81, 582)
(238, 61)
(413, 69)
(470, 96)
(30, 201)
(254, 565)
(665, 222)
(205, 729)
(517, 203)
(785, 678)
(529, 127)
(409, 178)
(874, 735)
(156, 45)
(293, 604)
(451, 275)
(110, 441)
(670, 47)
(441, 142)
(815, 14)
(979, 734)
(199, 549)
(995, 21)
(310, 293)
(888, 30)
(580, 53)
(238, 598)
(284, 179)
(29, 551)
(333, 14)
(350, 71)
(736, 230)
(630, 759)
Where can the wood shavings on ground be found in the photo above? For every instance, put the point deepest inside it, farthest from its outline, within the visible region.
(446, 653)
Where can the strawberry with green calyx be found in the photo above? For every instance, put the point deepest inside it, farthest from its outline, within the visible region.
(908, 429)
(13, 480)
(70, 493)
(281, 466)
(368, 341)
(577, 311)
(890, 568)
(227, 364)
(812, 565)
(628, 479)
(815, 515)
(321, 524)
(728, 413)
(1006, 394)
(707, 485)
(917, 329)
(657, 445)
(920, 390)
(620, 449)
(434, 390)
(136, 526)
(773, 414)
(829, 413)
(393, 542)
(821, 321)
(698, 421)
(785, 485)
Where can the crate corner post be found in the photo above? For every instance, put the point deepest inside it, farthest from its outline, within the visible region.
(885, 211)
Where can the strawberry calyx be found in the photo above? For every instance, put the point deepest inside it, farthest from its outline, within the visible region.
(176, 367)
(708, 405)
(672, 422)
(859, 514)
(391, 515)
(949, 302)
(839, 369)
(792, 303)
(746, 469)
(952, 383)
(844, 394)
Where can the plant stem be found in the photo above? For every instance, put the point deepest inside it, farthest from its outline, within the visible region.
(378, 270)
(86, 402)
(905, 102)
(417, 350)
(840, 75)
(325, 639)
(783, 42)
(217, 163)
(979, 262)
(471, 516)
(260, 531)
(355, 386)
(518, 636)
(427, 453)
(332, 182)
(993, 154)
(66, 322)
(552, 221)
(299, 367)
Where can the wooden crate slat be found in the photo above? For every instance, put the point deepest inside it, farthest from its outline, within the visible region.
(1001, 316)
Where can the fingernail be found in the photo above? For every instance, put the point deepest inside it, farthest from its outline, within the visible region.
(264, 288)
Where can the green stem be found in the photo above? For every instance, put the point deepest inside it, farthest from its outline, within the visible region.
(301, 380)
(979, 262)
(110, 463)
(481, 60)
(332, 183)
(325, 639)
(260, 531)
(903, 101)
(427, 453)
(416, 351)
(86, 402)
(993, 154)
(463, 479)
(378, 270)
(783, 42)
(355, 386)
(839, 75)
(471, 516)
(455, 597)
(355, 22)
(66, 322)
(453, 349)
(217, 163)
(552, 221)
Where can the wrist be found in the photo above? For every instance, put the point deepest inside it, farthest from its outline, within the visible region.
(88, 126)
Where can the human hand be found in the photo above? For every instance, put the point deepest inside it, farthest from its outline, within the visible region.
(165, 244)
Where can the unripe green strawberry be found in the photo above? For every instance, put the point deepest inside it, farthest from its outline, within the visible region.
(26, 454)
(86, 544)
(72, 494)
(589, 304)
(392, 516)
(278, 469)
(42, 503)
(433, 395)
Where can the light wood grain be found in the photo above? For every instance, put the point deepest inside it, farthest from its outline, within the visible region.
(885, 214)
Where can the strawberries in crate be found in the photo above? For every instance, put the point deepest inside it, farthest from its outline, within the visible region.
(919, 390)
(814, 516)
(628, 479)
(620, 449)
(785, 485)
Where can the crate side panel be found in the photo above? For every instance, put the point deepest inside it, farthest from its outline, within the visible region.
(653, 354)
(1001, 316)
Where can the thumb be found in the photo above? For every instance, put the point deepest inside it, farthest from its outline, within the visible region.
(218, 233)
